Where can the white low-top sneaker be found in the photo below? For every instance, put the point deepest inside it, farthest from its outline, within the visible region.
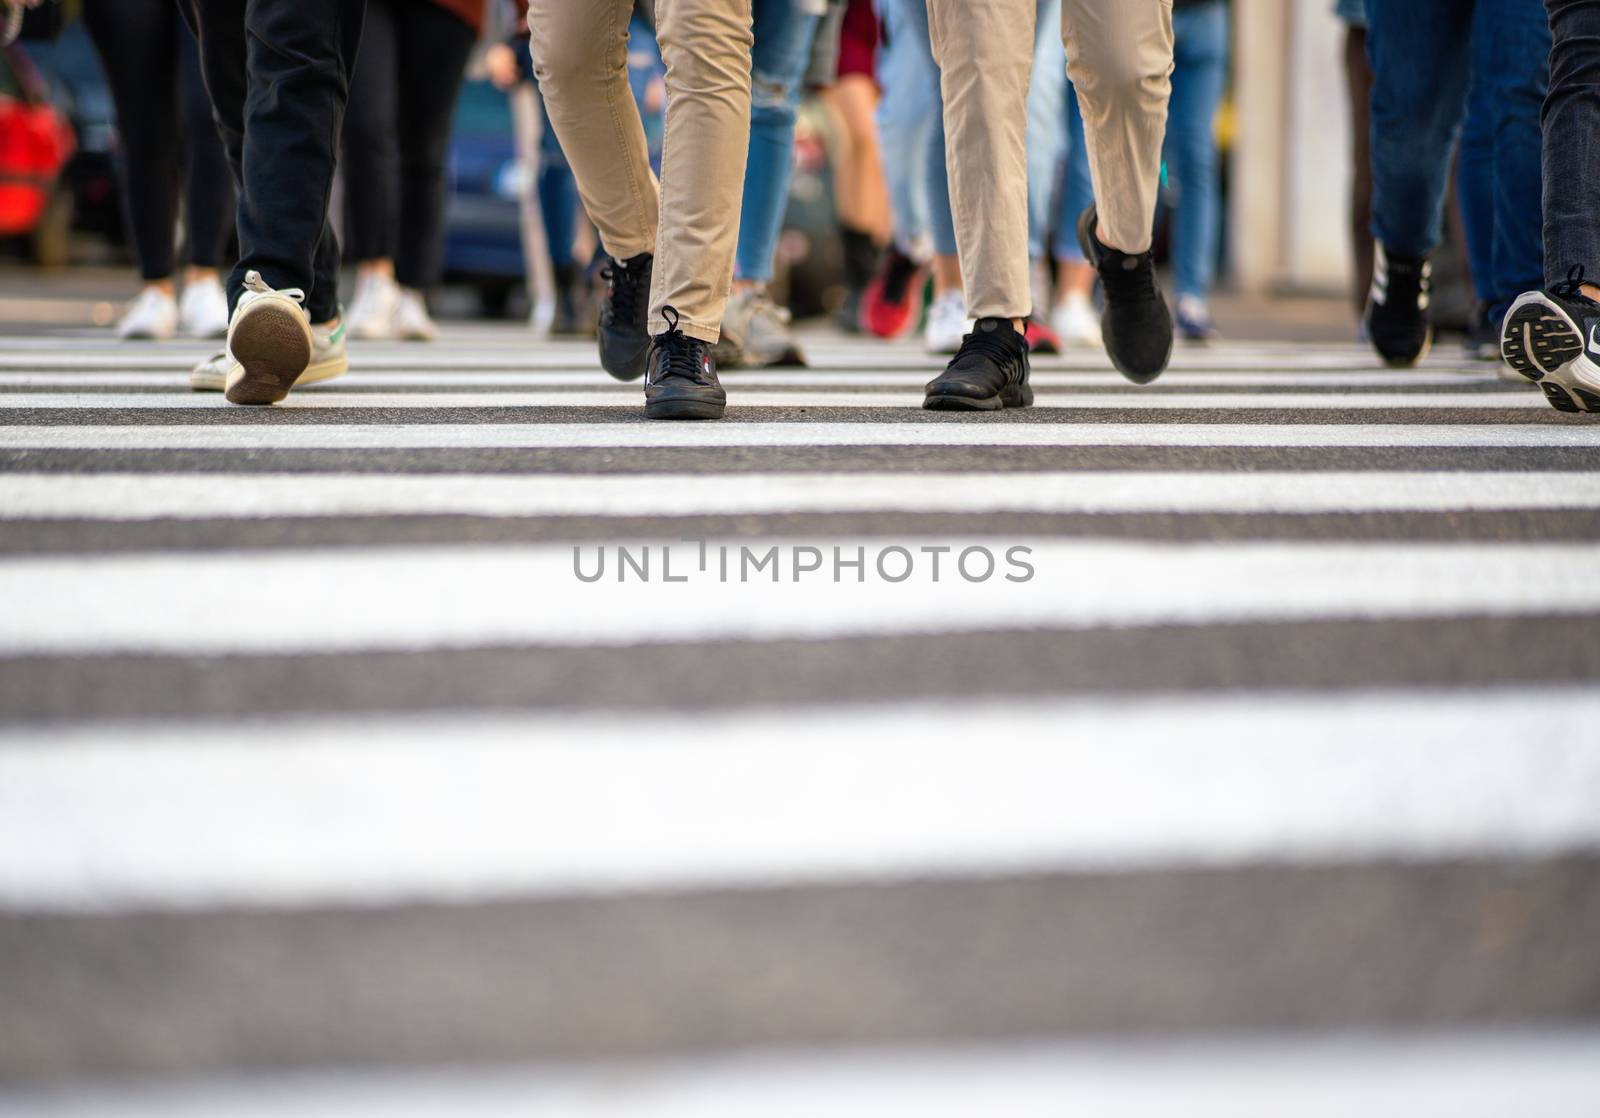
(948, 323)
(153, 316)
(372, 311)
(1076, 321)
(270, 341)
(203, 310)
(329, 358)
(412, 322)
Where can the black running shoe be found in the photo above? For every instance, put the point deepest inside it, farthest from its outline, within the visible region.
(1553, 338)
(1397, 308)
(1482, 340)
(1136, 324)
(682, 379)
(624, 338)
(988, 372)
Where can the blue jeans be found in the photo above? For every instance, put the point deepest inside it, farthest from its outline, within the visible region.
(1077, 186)
(911, 122)
(779, 57)
(1200, 70)
(1428, 56)
(1572, 142)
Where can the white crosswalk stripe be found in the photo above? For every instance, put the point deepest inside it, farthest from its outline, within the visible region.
(312, 710)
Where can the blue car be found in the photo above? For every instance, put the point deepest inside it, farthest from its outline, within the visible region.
(483, 224)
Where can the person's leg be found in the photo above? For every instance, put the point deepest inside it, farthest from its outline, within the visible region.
(985, 55)
(372, 131)
(1358, 90)
(134, 39)
(1511, 47)
(1120, 61)
(705, 45)
(782, 31)
(906, 73)
(1046, 131)
(371, 139)
(1198, 80)
(580, 57)
(209, 192)
(434, 47)
(278, 73)
(1421, 69)
(1075, 319)
(299, 58)
(1549, 333)
(1571, 193)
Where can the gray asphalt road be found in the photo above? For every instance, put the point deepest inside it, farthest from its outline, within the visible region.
(319, 753)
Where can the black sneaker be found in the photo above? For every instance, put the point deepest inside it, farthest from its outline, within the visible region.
(624, 338)
(988, 372)
(1136, 325)
(1553, 338)
(682, 379)
(1397, 308)
(1482, 340)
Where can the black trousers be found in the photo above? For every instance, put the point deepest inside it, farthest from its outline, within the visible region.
(396, 135)
(168, 136)
(278, 72)
(1572, 142)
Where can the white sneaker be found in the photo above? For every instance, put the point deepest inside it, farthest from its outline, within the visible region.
(203, 310)
(1076, 321)
(329, 358)
(947, 323)
(270, 341)
(152, 316)
(372, 311)
(541, 317)
(412, 322)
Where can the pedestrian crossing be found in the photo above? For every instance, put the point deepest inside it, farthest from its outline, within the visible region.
(840, 755)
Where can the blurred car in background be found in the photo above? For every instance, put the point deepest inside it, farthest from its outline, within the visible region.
(77, 87)
(483, 224)
(36, 141)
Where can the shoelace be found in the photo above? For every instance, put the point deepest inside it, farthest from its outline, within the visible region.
(1572, 286)
(255, 285)
(685, 355)
(981, 343)
(1137, 282)
(623, 289)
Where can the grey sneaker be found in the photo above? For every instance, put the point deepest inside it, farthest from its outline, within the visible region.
(755, 334)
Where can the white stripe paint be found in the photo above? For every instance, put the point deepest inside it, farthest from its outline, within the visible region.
(482, 436)
(176, 376)
(627, 396)
(1460, 1073)
(246, 496)
(375, 810)
(463, 596)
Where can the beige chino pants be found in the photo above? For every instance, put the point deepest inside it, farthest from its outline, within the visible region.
(1120, 55)
(690, 220)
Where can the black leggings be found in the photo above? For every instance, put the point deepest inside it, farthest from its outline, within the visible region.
(402, 96)
(164, 120)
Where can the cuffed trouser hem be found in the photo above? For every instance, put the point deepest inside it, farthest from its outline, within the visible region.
(704, 331)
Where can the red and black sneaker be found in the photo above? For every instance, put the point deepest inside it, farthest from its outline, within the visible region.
(890, 306)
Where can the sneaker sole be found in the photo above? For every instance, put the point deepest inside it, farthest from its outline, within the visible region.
(1015, 396)
(1541, 343)
(272, 344)
(314, 374)
(681, 407)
